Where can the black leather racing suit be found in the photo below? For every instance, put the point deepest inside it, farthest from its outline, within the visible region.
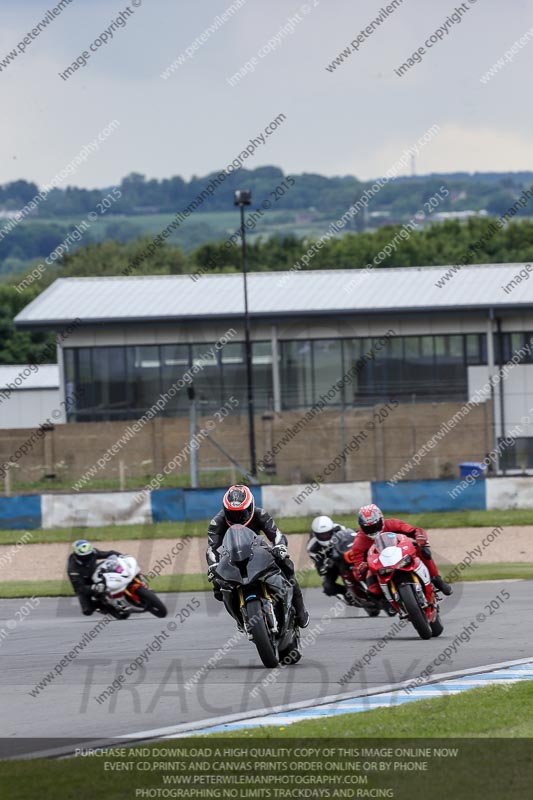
(81, 578)
(325, 565)
(261, 522)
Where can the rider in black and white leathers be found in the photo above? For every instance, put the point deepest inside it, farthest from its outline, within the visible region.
(319, 549)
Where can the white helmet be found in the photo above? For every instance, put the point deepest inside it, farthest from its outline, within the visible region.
(322, 528)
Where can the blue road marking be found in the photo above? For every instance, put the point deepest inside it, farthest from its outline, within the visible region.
(506, 675)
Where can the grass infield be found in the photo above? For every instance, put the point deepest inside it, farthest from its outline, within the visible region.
(199, 583)
(289, 525)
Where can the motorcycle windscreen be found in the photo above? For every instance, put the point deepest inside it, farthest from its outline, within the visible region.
(238, 543)
(342, 540)
(111, 564)
(384, 540)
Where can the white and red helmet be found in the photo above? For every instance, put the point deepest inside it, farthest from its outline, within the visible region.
(370, 519)
(239, 505)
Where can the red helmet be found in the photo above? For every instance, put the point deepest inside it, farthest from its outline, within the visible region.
(238, 505)
(370, 520)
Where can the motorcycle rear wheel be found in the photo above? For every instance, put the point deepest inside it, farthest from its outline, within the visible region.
(436, 627)
(259, 632)
(117, 613)
(291, 654)
(151, 602)
(416, 616)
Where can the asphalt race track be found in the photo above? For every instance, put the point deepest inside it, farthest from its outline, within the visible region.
(154, 695)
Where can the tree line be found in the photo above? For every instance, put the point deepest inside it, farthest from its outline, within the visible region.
(438, 244)
(140, 195)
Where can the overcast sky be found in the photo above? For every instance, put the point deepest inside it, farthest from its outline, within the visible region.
(356, 120)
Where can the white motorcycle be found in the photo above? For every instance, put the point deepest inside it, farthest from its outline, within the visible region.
(120, 581)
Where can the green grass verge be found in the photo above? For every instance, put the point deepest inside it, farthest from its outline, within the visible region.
(491, 712)
(166, 583)
(289, 525)
(480, 770)
(206, 480)
(199, 583)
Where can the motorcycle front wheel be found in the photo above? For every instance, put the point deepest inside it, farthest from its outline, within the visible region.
(416, 616)
(259, 632)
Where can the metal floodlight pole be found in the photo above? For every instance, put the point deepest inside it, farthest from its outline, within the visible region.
(243, 197)
(191, 394)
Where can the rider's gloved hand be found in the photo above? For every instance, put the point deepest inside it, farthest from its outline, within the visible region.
(361, 570)
(280, 551)
(421, 538)
(98, 588)
(326, 565)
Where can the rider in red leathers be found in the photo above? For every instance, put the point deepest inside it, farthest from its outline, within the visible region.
(371, 522)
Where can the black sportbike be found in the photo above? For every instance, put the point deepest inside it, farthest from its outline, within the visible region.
(258, 596)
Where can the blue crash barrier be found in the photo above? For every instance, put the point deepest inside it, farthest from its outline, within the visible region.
(437, 495)
(180, 505)
(20, 512)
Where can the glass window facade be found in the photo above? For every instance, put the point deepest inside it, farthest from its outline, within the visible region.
(406, 368)
(509, 344)
(107, 383)
(518, 455)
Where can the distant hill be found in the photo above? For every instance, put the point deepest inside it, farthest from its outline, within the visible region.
(303, 208)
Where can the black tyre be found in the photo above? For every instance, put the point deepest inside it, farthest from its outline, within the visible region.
(416, 616)
(260, 636)
(291, 654)
(117, 613)
(151, 602)
(436, 627)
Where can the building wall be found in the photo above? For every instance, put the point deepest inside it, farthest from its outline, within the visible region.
(518, 397)
(377, 442)
(293, 328)
(28, 408)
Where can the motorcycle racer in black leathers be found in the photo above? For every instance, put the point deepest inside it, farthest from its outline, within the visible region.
(238, 508)
(81, 565)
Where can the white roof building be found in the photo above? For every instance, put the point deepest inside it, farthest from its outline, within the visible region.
(29, 395)
(126, 339)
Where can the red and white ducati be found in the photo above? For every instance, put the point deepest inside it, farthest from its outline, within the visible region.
(405, 582)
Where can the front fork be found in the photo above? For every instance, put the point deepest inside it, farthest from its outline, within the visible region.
(391, 592)
(266, 606)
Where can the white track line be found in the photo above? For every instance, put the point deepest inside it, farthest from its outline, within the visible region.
(259, 718)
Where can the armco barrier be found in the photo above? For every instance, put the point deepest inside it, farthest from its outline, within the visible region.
(20, 513)
(301, 500)
(95, 509)
(509, 493)
(434, 495)
(179, 505)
